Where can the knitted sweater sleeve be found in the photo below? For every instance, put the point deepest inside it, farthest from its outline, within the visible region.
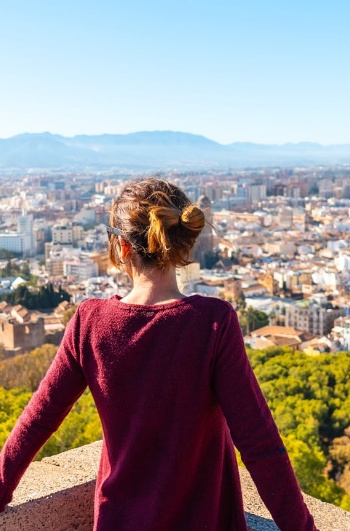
(254, 432)
(60, 388)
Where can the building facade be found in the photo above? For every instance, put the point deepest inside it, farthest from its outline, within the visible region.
(21, 241)
(311, 317)
(205, 241)
(69, 234)
(20, 329)
(341, 332)
(80, 269)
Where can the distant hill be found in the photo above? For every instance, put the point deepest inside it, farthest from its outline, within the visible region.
(158, 150)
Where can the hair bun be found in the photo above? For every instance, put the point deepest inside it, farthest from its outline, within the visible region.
(192, 217)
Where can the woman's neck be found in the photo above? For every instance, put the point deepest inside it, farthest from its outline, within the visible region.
(152, 286)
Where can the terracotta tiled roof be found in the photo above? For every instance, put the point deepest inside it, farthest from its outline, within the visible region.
(276, 330)
(289, 341)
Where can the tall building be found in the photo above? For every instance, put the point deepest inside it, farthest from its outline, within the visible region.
(256, 192)
(68, 234)
(205, 241)
(25, 223)
(310, 316)
(21, 241)
(285, 217)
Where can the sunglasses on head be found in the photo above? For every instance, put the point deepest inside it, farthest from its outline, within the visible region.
(113, 230)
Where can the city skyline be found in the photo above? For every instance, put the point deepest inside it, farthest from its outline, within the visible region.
(266, 74)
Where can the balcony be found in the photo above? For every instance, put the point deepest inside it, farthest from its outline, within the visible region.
(56, 494)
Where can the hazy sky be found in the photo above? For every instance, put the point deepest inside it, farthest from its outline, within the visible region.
(232, 70)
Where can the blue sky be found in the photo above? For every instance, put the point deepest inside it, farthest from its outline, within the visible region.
(259, 71)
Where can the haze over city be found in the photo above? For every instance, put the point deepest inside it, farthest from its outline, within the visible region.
(260, 72)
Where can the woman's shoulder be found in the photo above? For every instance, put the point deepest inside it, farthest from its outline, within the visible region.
(215, 305)
(90, 307)
(198, 303)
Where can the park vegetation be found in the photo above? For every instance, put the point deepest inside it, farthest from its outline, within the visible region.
(13, 269)
(43, 298)
(28, 294)
(19, 378)
(309, 397)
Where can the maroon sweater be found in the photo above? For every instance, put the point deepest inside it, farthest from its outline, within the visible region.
(174, 388)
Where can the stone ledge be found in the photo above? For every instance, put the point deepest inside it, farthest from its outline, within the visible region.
(57, 494)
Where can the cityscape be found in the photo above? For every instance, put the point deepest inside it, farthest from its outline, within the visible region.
(276, 246)
(244, 106)
(279, 249)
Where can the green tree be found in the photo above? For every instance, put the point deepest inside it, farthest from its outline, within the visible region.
(80, 427)
(44, 298)
(251, 319)
(309, 399)
(25, 271)
(68, 314)
(12, 403)
(26, 370)
(7, 255)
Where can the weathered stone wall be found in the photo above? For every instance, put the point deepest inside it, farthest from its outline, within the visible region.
(56, 494)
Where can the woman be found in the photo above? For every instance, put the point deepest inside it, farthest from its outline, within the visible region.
(172, 385)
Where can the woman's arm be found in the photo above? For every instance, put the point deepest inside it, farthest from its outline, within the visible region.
(254, 431)
(58, 391)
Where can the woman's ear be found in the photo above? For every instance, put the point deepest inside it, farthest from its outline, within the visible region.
(125, 249)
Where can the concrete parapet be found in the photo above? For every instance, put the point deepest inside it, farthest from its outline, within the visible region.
(57, 494)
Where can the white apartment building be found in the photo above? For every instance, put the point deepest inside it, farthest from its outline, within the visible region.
(341, 332)
(285, 217)
(25, 223)
(17, 243)
(56, 255)
(67, 234)
(309, 316)
(21, 241)
(80, 269)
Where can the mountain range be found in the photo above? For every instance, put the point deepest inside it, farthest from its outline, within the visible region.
(158, 150)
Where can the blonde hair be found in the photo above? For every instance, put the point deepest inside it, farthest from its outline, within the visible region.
(159, 222)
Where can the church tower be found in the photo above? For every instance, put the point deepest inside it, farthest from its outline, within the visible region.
(205, 242)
